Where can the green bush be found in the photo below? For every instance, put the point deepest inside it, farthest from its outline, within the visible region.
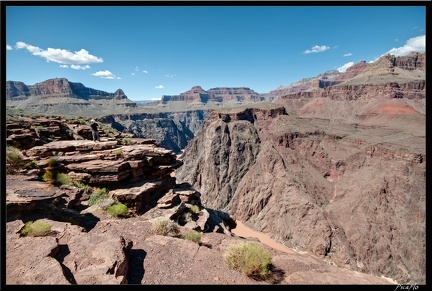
(36, 228)
(99, 194)
(64, 179)
(194, 209)
(192, 235)
(87, 188)
(166, 227)
(249, 259)
(82, 120)
(15, 160)
(126, 141)
(48, 176)
(117, 152)
(52, 162)
(31, 165)
(117, 210)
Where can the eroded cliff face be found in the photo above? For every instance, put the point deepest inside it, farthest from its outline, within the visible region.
(220, 94)
(351, 192)
(58, 96)
(173, 130)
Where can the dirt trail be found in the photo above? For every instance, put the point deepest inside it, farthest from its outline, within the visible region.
(244, 231)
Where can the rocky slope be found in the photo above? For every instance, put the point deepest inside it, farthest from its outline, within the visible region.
(86, 245)
(59, 96)
(338, 171)
(326, 79)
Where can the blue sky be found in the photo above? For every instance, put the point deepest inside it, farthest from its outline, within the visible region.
(150, 51)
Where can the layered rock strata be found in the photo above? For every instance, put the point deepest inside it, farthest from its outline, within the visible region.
(350, 193)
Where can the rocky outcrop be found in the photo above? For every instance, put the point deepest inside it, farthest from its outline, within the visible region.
(172, 130)
(60, 97)
(220, 94)
(16, 90)
(334, 190)
(56, 88)
(324, 80)
(86, 245)
(352, 71)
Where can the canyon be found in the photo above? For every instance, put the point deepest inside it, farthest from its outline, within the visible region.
(333, 167)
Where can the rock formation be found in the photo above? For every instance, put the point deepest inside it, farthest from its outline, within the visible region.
(337, 171)
(221, 94)
(59, 96)
(86, 245)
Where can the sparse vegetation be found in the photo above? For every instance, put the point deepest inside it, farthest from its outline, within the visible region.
(15, 160)
(192, 235)
(38, 127)
(51, 172)
(117, 153)
(98, 195)
(194, 209)
(52, 162)
(36, 228)
(249, 259)
(118, 210)
(87, 188)
(166, 227)
(32, 164)
(64, 179)
(126, 141)
(82, 120)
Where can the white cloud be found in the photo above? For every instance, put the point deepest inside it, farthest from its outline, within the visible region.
(61, 56)
(64, 66)
(8, 47)
(78, 67)
(105, 75)
(159, 87)
(317, 49)
(347, 55)
(136, 69)
(146, 72)
(169, 76)
(345, 67)
(417, 44)
(133, 74)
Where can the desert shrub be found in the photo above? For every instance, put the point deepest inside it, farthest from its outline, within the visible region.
(117, 152)
(48, 176)
(117, 210)
(15, 160)
(126, 141)
(36, 228)
(99, 194)
(87, 188)
(192, 235)
(249, 259)
(52, 162)
(64, 179)
(82, 120)
(166, 227)
(185, 218)
(31, 165)
(194, 209)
